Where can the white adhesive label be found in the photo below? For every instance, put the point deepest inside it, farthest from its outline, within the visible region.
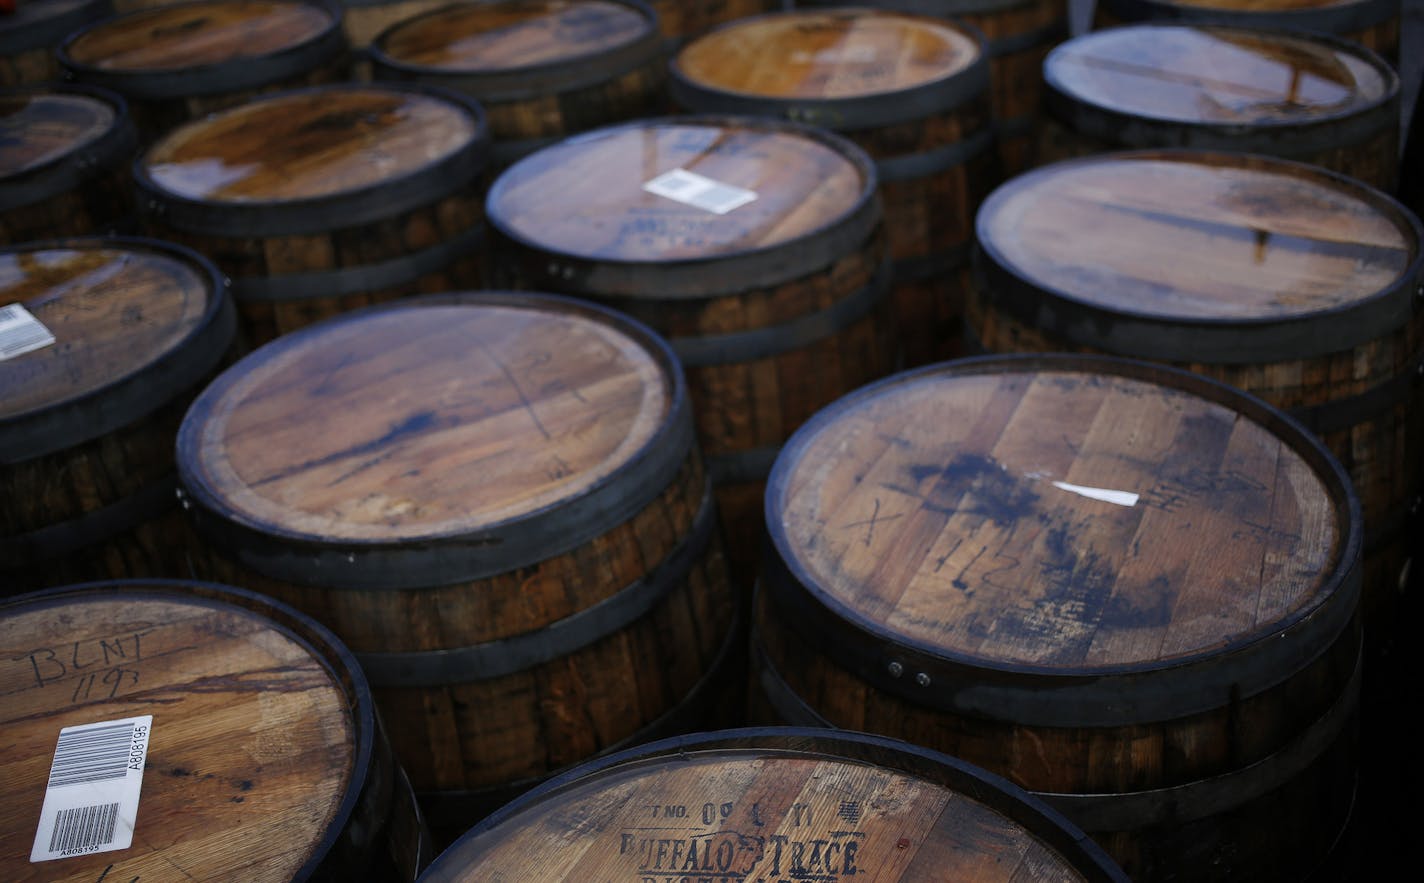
(91, 803)
(21, 332)
(690, 188)
(1119, 498)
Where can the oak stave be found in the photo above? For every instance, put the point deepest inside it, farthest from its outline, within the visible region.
(374, 197)
(777, 803)
(506, 645)
(681, 20)
(64, 168)
(294, 757)
(541, 70)
(30, 34)
(910, 90)
(1164, 85)
(87, 425)
(1193, 739)
(182, 61)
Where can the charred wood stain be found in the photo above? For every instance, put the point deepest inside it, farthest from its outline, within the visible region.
(973, 484)
(415, 424)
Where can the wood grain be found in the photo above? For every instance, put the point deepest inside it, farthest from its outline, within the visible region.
(48, 128)
(762, 805)
(681, 19)
(459, 422)
(32, 31)
(1170, 84)
(1030, 531)
(119, 310)
(258, 725)
(838, 59)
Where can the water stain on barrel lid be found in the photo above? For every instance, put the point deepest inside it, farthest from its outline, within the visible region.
(1218, 75)
(1061, 514)
(425, 420)
(670, 190)
(309, 144)
(490, 37)
(40, 127)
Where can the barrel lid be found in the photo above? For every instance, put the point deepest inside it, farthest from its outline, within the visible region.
(135, 322)
(1252, 253)
(42, 24)
(261, 731)
(42, 126)
(844, 69)
(501, 44)
(313, 159)
(1200, 75)
(219, 46)
(775, 804)
(504, 426)
(1065, 516)
(1324, 16)
(689, 192)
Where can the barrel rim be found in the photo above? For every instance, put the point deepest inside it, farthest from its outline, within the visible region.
(1147, 335)
(208, 78)
(323, 644)
(1021, 807)
(567, 73)
(379, 200)
(1343, 126)
(1339, 18)
(842, 114)
(144, 388)
(18, 36)
(935, 8)
(70, 169)
(465, 554)
(688, 278)
(1328, 611)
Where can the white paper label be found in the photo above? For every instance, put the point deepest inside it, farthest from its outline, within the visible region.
(690, 188)
(21, 332)
(91, 803)
(1118, 498)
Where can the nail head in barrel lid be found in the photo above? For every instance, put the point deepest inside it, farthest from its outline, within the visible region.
(1060, 525)
(295, 161)
(775, 804)
(440, 439)
(1200, 256)
(682, 194)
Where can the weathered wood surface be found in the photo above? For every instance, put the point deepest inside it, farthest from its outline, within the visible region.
(364, 20)
(265, 760)
(541, 69)
(463, 474)
(783, 804)
(88, 423)
(1373, 24)
(182, 61)
(1018, 34)
(65, 153)
(683, 19)
(358, 193)
(30, 34)
(1207, 261)
(774, 306)
(1076, 574)
(913, 92)
(1311, 98)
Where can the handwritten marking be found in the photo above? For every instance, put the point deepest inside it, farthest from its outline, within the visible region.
(874, 519)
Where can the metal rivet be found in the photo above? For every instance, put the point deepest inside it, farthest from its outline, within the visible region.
(896, 669)
(922, 679)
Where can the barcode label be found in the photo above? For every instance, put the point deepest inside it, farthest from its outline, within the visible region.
(690, 188)
(91, 802)
(21, 332)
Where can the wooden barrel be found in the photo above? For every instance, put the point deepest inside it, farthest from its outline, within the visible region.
(913, 91)
(497, 502)
(181, 727)
(1129, 589)
(1017, 36)
(683, 19)
(1284, 280)
(30, 34)
(1373, 24)
(764, 267)
(180, 62)
(1307, 97)
(65, 153)
(103, 344)
(366, 19)
(320, 200)
(776, 804)
(540, 69)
